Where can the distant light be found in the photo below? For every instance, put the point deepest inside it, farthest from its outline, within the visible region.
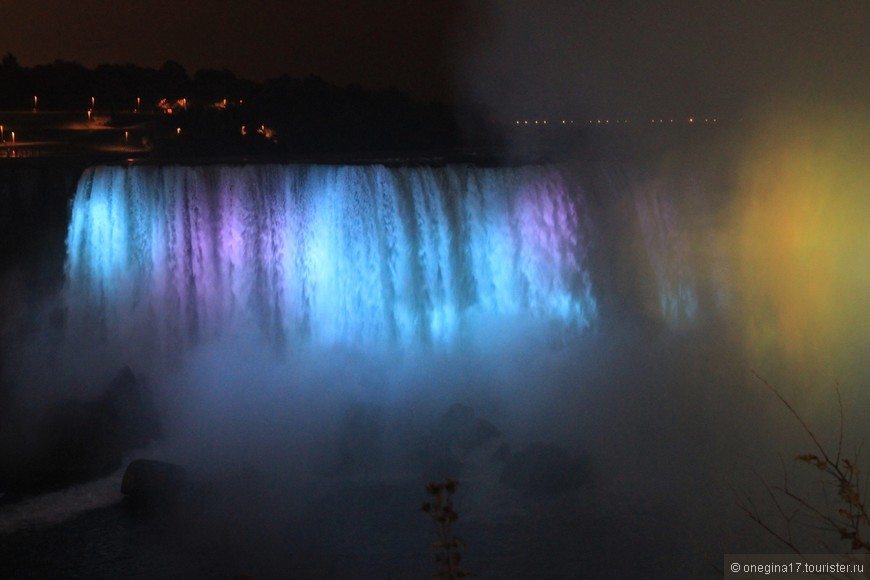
(178, 130)
(35, 101)
(691, 119)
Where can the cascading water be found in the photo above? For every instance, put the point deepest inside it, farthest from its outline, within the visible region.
(166, 256)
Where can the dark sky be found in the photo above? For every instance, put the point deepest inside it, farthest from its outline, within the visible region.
(547, 57)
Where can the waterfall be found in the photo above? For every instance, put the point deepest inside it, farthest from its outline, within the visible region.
(168, 256)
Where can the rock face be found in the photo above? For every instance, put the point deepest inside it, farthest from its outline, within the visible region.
(77, 440)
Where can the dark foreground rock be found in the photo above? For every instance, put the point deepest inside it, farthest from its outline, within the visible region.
(76, 441)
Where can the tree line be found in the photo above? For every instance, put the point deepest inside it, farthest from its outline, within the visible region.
(308, 115)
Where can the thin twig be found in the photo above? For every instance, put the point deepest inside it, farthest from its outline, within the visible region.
(848, 521)
(794, 413)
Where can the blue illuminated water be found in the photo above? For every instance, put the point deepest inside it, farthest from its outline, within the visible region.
(324, 254)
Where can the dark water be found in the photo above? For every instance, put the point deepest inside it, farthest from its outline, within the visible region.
(349, 531)
(103, 543)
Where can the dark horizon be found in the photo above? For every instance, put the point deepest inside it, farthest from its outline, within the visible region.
(566, 59)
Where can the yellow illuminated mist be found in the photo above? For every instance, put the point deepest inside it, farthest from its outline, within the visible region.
(803, 237)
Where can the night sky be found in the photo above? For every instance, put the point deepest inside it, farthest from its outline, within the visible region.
(560, 57)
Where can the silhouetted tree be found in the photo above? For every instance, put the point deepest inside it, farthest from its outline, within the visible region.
(306, 116)
(173, 80)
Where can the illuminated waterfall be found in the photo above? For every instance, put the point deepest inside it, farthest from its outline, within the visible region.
(169, 256)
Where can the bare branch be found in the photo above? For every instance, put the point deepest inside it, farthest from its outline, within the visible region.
(844, 513)
(794, 413)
